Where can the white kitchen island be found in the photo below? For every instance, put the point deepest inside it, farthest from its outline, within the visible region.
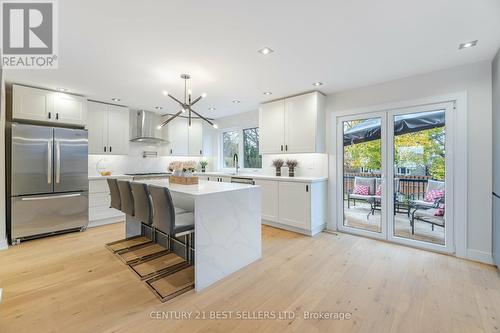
(227, 226)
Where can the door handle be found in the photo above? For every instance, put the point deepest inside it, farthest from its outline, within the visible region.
(286, 147)
(58, 162)
(281, 147)
(104, 148)
(50, 115)
(57, 116)
(52, 197)
(110, 149)
(49, 162)
(307, 188)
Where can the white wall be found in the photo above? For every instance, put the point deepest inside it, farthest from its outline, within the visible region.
(3, 234)
(310, 165)
(496, 156)
(475, 79)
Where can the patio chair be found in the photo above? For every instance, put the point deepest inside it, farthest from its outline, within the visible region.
(377, 198)
(369, 198)
(429, 211)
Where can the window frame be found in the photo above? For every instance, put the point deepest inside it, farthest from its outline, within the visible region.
(241, 162)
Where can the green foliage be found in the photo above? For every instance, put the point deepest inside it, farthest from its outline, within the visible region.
(424, 149)
(251, 157)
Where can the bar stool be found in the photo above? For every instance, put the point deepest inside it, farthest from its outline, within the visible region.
(143, 210)
(167, 221)
(121, 199)
(115, 194)
(126, 199)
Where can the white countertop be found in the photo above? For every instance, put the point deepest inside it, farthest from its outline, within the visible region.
(242, 175)
(202, 188)
(112, 176)
(264, 177)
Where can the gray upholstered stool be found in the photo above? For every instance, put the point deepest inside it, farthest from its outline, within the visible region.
(115, 194)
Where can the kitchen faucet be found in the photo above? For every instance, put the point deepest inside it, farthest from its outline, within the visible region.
(235, 162)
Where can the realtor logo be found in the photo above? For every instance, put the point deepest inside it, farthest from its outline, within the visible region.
(28, 34)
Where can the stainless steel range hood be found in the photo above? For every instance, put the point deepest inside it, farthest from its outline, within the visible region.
(144, 127)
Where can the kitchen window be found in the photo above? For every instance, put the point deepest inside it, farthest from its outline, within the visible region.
(245, 143)
(251, 157)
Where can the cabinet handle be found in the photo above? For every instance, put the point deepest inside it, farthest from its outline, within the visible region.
(110, 149)
(286, 147)
(201, 152)
(104, 148)
(307, 188)
(50, 115)
(281, 147)
(171, 151)
(57, 116)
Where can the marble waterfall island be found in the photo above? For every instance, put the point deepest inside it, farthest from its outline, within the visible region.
(227, 226)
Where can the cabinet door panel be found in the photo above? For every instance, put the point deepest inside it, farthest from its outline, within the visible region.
(97, 126)
(300, 123)
(178, 137)
(69, 109)
(269, 199)
(31, 104)
(272, 127)
(295, 204)
(118, 130)
(196, 138)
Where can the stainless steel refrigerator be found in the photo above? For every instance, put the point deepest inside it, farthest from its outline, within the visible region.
(48, 180)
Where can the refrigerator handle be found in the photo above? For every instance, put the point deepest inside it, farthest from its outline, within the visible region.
(49, 162)
(58, 162)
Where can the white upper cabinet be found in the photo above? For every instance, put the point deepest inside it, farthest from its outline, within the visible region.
(195, 139)
(293, 125)
(185, 140)
(108, 127)
(178, 137)
(69, 109)
(118, 130)
(272, 127)
(48, 106)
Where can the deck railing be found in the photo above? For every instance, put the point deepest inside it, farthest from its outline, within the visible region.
(414, 185)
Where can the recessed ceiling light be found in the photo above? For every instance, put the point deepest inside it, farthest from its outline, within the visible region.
(116, 99)
(62, 89)
(265, 51)
(466, 45)
(211, 109)
(317, 84)
(235, 101)
(158, 107)
(267, 93)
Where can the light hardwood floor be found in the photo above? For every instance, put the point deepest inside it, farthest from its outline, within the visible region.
(71, 283)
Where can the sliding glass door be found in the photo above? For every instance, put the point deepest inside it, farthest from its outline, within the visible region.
(362, 174)
(410, 147)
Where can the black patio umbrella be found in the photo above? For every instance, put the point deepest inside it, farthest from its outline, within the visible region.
(370, 129)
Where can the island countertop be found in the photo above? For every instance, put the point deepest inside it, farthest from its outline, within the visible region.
(202, 188)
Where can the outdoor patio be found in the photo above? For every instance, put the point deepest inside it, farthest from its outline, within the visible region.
(356, 216)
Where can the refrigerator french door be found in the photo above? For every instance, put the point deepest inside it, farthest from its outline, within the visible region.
(48, 180)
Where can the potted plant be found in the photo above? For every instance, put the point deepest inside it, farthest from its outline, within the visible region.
(291, 164)
(278, 163)
(203, 165)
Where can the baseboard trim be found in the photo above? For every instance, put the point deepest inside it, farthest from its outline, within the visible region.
(4, 245)
(111, 220)
(306, 232)
(481, 256)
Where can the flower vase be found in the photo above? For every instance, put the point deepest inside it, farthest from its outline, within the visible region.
(278, 172)
(291, 172)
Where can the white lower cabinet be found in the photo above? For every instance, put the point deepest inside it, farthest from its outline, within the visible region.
(100, 212)
(269, 199)
(295, 206)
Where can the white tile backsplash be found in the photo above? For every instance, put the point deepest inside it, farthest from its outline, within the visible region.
(134, 162)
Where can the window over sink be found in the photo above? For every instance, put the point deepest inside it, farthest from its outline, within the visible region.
(245, 143)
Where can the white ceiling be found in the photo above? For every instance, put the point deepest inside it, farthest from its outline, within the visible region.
(135, 49)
